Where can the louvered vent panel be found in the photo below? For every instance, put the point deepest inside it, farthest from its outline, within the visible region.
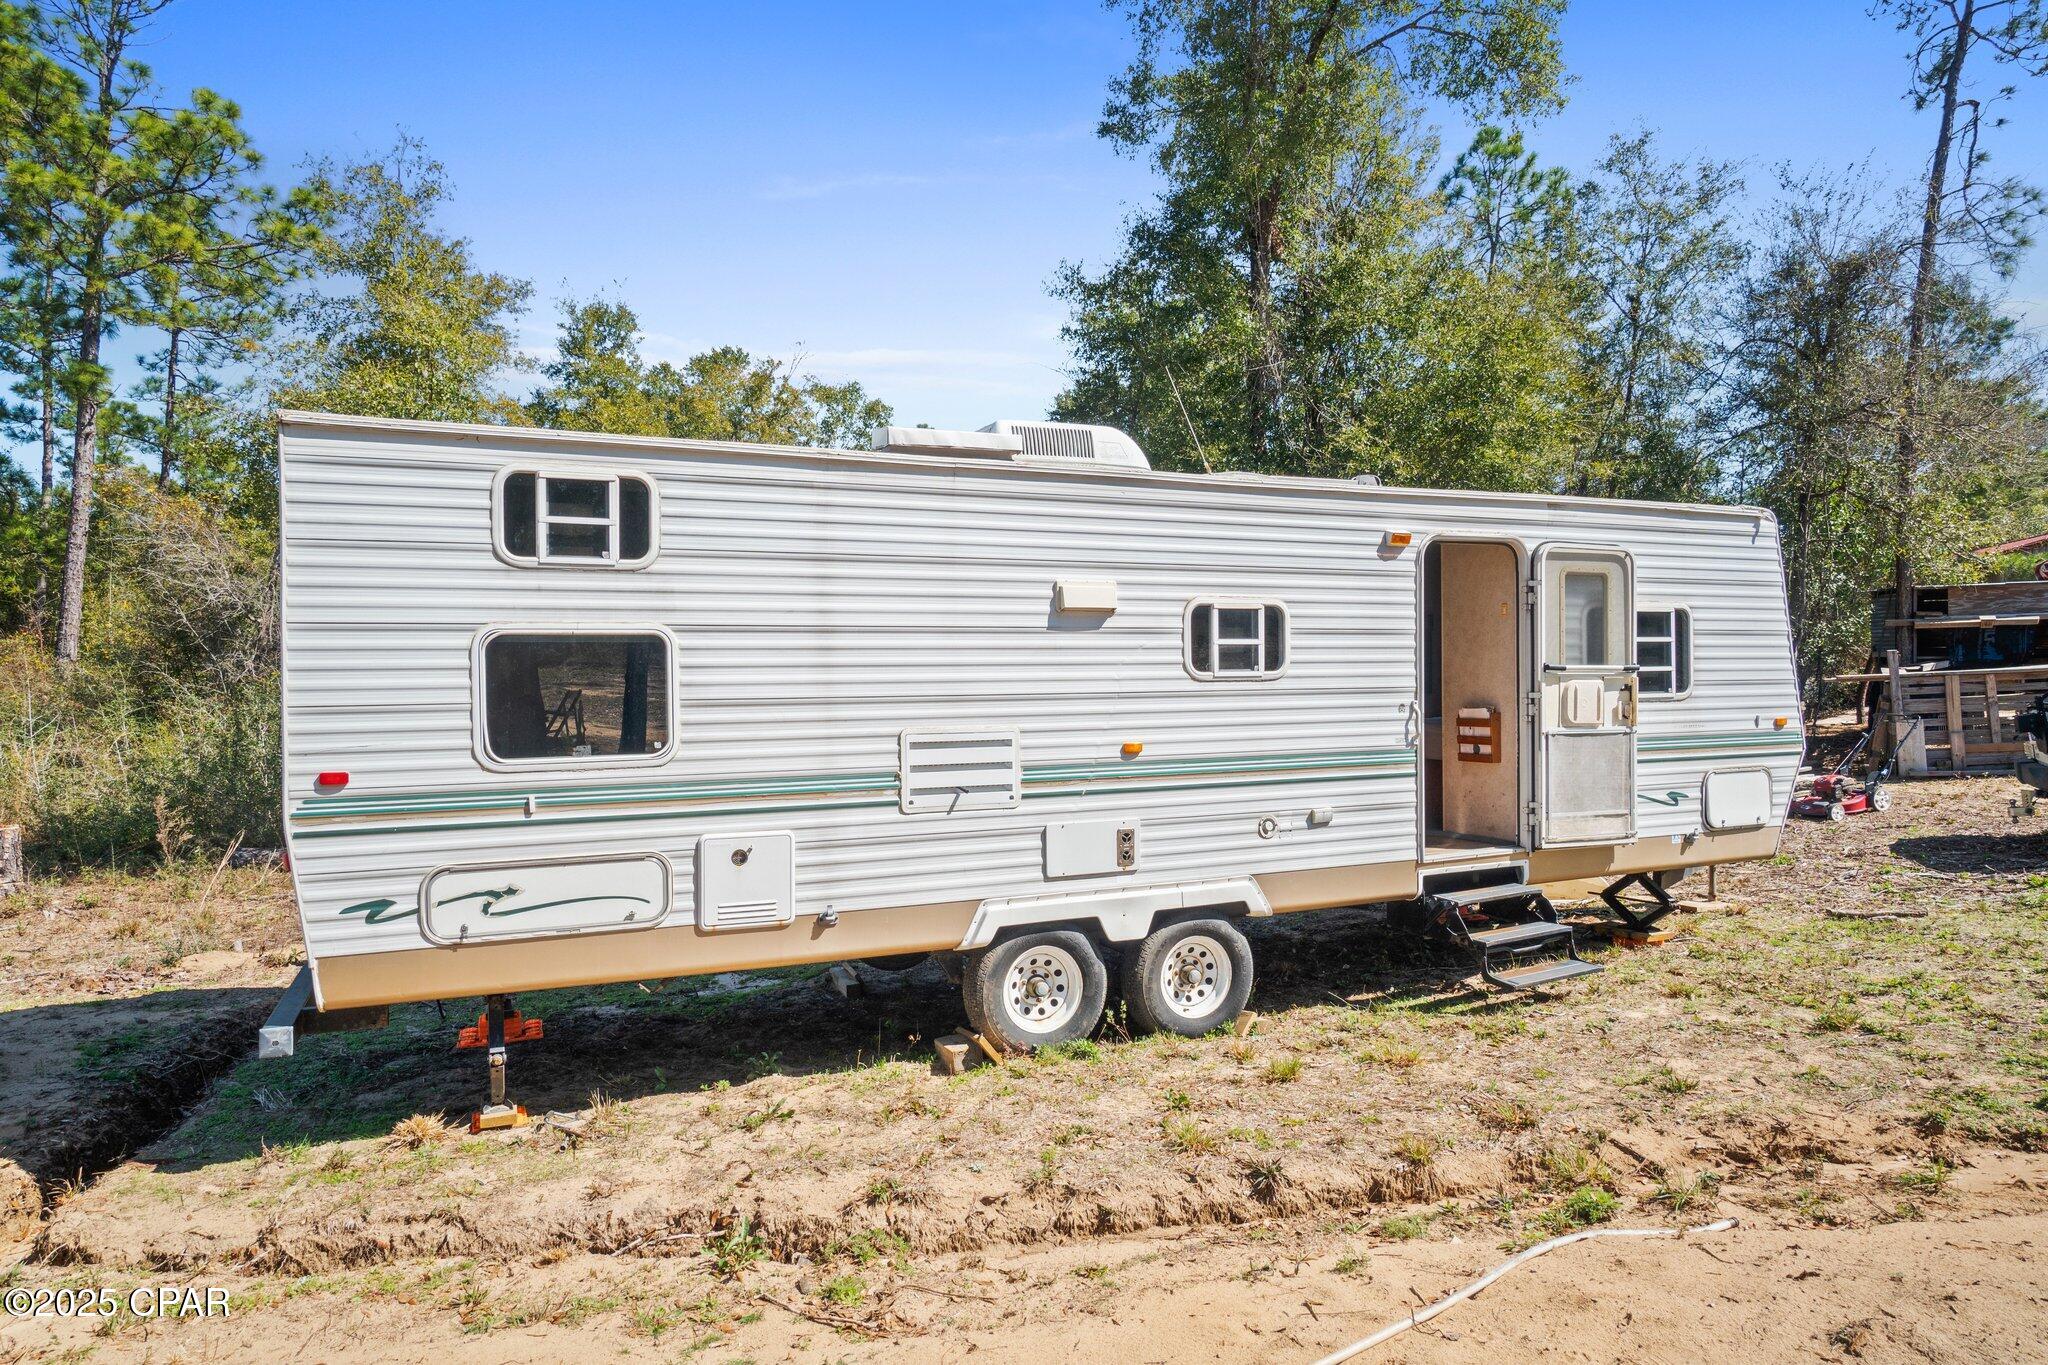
(956, 770)
(1058, 442)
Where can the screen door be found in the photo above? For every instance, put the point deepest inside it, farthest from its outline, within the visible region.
(1586, 697)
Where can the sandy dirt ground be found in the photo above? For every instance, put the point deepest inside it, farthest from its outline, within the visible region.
(1849, 1057)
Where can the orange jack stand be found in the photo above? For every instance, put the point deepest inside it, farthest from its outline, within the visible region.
(497, 1026)
(518, 1029)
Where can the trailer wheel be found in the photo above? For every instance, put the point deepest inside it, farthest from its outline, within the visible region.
(1036, 990)
(1188, 978)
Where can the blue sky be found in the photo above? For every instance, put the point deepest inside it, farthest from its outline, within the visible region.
(886, 190)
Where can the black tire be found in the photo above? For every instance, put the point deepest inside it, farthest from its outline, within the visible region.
(1219, 954)
(1036, 990)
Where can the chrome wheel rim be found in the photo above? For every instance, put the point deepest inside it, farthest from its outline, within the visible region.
(1042, 989)
(1195, 976)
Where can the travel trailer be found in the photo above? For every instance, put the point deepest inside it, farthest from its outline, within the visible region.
(567, 708)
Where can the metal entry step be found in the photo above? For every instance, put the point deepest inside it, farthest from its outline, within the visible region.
(1485, 895)
(1521, 938)
(1520, 956)
(1544, 973)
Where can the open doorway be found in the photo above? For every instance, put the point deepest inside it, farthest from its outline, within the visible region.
(1471, 689)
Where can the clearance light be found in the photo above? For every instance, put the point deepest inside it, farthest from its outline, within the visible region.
(1781, 722)
(1133, 749)
(1397, 540)
(335, 780)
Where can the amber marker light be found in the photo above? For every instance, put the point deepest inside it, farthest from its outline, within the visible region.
(1133, 749)
(1397, 540)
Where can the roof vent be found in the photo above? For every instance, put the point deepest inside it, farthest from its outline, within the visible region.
(1073, 442)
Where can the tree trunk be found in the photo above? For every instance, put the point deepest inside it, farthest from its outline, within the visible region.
(1908, 461)
(84, 458)
(1263, 392)
(47, 401)
(170, 433)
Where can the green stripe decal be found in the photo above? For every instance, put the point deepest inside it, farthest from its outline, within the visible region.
(332, 832)
(722, 797)
(439, 803)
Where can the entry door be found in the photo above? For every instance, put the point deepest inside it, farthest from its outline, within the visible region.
(1586, 697)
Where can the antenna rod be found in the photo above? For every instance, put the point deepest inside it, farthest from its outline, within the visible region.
(1184, 417)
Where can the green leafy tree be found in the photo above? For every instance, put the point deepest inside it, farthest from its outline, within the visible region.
(1506, 207)
(1816, 374)
(1284, 135)
(598, 382)
(1965, 209)
(421, 333)
(106, 188)
(1661, 253)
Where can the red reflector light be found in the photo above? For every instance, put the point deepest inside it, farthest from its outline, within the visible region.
(331, 780)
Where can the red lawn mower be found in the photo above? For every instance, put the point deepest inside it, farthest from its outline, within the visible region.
(1835, 797)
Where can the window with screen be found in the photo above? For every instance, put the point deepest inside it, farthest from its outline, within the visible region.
(1664, 652)
(575, 697)
(587, 519)
(1582, 619)
(1236, 640)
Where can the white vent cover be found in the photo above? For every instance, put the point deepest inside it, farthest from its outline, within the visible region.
(1073, 442)
(956, 770)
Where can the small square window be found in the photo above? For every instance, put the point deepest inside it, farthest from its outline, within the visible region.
(1236, 640)
(1664, 651)
(593, 520)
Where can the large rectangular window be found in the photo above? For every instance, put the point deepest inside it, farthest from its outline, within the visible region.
(1664, 651)
(575, 696)
(1232, 639)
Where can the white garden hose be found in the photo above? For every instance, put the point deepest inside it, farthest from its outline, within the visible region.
(1393, 1329)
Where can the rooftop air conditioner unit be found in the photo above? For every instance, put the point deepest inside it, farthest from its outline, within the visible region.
(1074, 442)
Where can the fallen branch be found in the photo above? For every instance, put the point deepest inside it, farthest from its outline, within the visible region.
(657, 1239)
(851, 1324)
(1904, 912)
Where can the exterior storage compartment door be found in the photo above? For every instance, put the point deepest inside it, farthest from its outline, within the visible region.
(1586, 697)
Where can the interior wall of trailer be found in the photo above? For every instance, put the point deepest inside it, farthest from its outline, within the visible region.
(1479, 629)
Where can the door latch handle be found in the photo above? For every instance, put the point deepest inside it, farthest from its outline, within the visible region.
(1411, 723)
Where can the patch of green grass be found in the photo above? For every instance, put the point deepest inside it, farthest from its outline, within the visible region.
(758, 1119)
(1186, 1135)
(1666, 1081)
(1583, 1207)
(846, 1291)
(1079, 1050)
(875, 1244)
(735, 1249)
(1417, 1149)
(1680, 1192)
(1931, 1178)
(1282, 1069)
(1403, 1227)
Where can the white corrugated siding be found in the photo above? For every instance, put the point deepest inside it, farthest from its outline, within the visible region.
(823, 603)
